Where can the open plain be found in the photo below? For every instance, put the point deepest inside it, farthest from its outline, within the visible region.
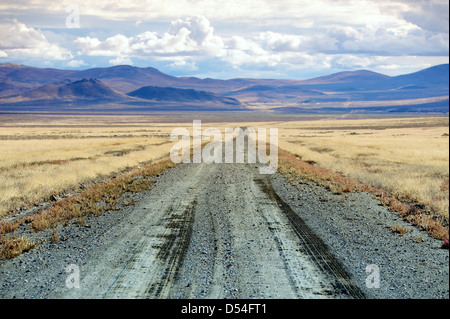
(223, 230)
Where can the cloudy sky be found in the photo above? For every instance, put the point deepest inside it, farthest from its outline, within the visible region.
(225, 39)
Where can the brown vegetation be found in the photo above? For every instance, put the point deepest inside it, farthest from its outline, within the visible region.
(91, 202)
(293, 168)
(403, 162)
(409, 158)
(39, 162)
(12, 246)
(101, 197)
(402, 230)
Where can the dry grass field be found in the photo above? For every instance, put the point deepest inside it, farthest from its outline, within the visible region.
(38, 160)
(407, 158)
(403, 161)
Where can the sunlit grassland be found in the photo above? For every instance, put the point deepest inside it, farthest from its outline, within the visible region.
(409, 158)
(37, 161)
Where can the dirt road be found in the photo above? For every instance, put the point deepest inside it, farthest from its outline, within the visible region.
(220, 231)
(226, 231)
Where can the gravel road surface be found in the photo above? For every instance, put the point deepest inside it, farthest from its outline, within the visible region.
(226, 231)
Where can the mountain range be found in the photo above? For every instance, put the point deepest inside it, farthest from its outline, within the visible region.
(124, 87)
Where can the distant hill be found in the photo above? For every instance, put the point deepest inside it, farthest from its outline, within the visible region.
(434, 76)
(128, 86)
(348, 76)
(8, 87)
(156, 93)
(122, 78)
(93, 92)
(125, 78)
(370, 86)
(270, 93)
(83, 90)
(32, 75)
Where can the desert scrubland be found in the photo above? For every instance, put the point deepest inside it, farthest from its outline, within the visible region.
(42, 159)
(406, 157)
(89, 190)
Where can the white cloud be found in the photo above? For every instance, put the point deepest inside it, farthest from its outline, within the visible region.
(184, 63)
(146, 10)
(247, 35)
(281, 42)
(120, 61)
(113, 46)
(343, 46)
(352, 62)
(201, 32)
(76, 63)
(388, 41)
(428, 15)
(21, 42)
(16, 35)
(189, 37)
(192, 36)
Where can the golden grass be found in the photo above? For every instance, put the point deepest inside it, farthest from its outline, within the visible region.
(403, 162)
(91, 202)
(100, 197)
(397, 228)
(293, 168)
(37, 162)
(409, 162)
(41, 159)
(13, 246)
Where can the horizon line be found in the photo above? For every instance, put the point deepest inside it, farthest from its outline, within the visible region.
(253, 78)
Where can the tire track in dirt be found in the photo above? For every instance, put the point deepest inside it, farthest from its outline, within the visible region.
(213, 231)
(159, 229)
(314, 247)
(173, 251)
